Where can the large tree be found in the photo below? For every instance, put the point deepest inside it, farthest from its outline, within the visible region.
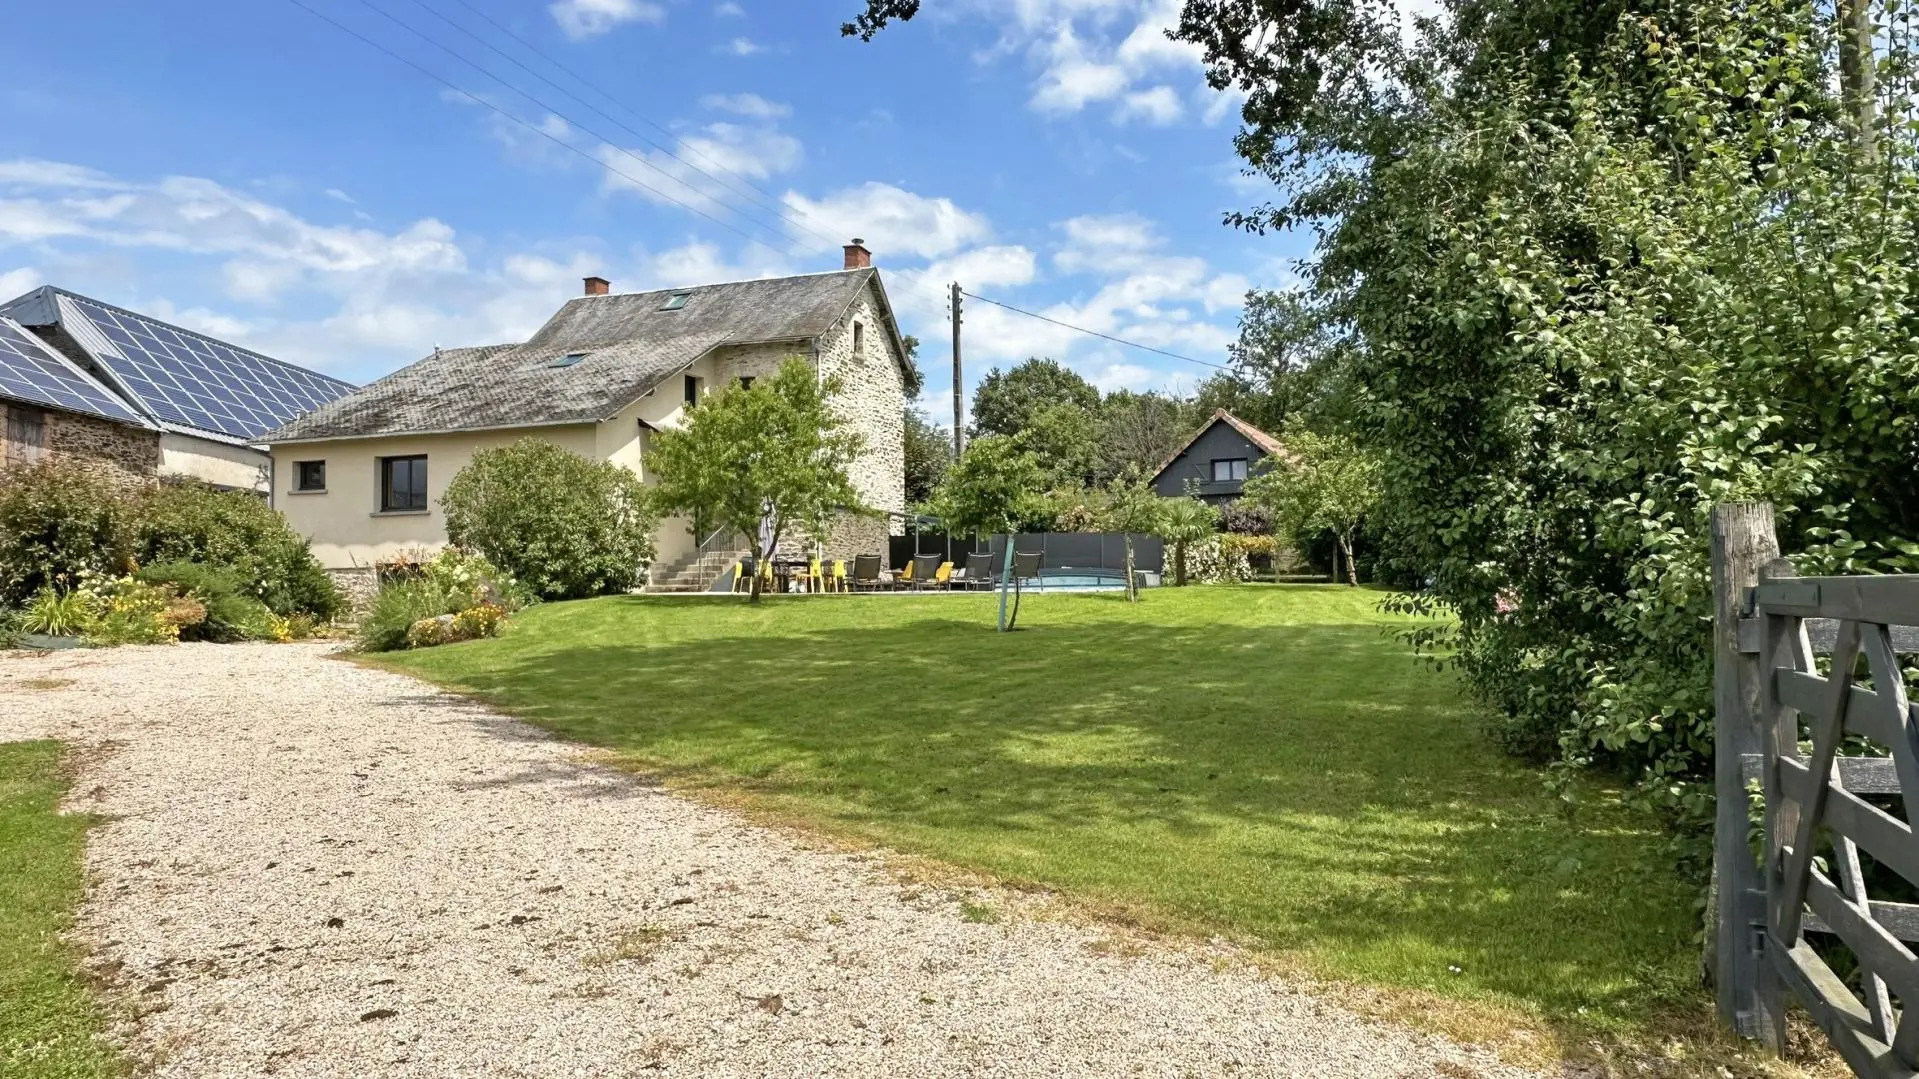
(1141, 430)
(1065, 438)
(1007, 401)
(1320, 484)
(764, 461)
(994, 488)
(929, 453)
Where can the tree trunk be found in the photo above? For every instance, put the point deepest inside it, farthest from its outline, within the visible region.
(1352, 572)
(753, 589)
(1179, 564)
(1132, 590)
(1858, 74)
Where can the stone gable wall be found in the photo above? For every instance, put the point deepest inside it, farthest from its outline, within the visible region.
(125, 455)
(872, 398)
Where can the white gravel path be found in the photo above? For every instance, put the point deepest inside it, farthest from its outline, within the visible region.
(315, 869)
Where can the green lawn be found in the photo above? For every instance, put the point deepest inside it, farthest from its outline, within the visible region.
(1261, 760)
(48, 1023)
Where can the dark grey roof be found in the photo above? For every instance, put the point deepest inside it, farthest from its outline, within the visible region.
(630, 345)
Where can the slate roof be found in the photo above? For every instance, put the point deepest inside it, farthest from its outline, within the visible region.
(1267, 444)
(628, 344)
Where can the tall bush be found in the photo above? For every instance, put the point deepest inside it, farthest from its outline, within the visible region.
(194, 522)
(564, 526)
(58, 523)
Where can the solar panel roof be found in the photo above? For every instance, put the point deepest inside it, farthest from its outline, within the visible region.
(31, 371)
(192, 380)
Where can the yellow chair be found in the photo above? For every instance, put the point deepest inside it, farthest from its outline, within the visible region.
(839, 575)
(944, 577)
(905, 575)
(815, 578)
(739, 576)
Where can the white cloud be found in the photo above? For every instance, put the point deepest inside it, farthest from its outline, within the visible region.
(338, 195)
(1159, 105)
(706, 170)
(1105, 243)
(742, 46)
(582, 19)
(18, 280)
(729, 10)
(749, 105)
(892, 221)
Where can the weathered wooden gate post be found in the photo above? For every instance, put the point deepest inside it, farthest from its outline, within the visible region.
(1749, 994)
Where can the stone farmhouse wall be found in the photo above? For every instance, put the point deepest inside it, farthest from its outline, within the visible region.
(125, 455)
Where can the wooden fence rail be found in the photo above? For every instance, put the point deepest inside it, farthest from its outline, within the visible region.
(1837, 756)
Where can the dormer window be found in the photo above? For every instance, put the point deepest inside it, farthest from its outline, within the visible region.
(567, 360)
(676, 301)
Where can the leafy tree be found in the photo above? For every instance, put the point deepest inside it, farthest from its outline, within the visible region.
(1065, 439)
(762, 461)
(915, 379)
(1140, 430)
(994, 489)
(1323, 483)
(1006, 402)
(929, 453)
(565, 526)
(1184, 521)
(1132, 506)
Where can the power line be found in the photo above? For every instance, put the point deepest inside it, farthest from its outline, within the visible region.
(1096, 333)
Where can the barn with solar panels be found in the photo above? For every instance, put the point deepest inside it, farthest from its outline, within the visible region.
(206, 402)
(56, 410)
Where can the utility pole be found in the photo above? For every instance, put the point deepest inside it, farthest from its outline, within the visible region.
(959, 400)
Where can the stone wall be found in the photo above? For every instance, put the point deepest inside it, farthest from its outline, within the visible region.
(126, 455)
(873, 399)
(358, 585)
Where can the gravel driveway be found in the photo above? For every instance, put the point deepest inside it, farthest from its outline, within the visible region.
(316, 869)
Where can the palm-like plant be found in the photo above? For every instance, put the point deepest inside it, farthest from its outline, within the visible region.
(1184, 521)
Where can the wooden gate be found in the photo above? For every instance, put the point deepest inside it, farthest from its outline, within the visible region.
(1835, 749)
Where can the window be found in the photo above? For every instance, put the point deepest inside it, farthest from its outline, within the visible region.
(309, 475)
(26, 435)
(1229, 469)
(567, 360)
(746, 382)
(402, 484)
(693, 389)
(859, 340)
(676, 301)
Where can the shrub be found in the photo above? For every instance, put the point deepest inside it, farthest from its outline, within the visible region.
(1213, 561)
(61, 614)
(193, 522)
(566, 526)
(402, 603)
(471, 624)
(58, 524)
(131, 611)
(230, 614)
(471, 574)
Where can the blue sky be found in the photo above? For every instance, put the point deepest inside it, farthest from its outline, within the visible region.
(245, 168)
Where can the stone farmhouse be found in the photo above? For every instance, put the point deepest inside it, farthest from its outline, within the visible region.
(361, 476)
(139, 399)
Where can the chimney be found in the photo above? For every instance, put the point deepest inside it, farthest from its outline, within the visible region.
(857, 256)
(597, 286)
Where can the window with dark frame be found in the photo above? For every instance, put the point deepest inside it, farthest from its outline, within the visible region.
(402, 484)
(309, 475)
(746, 382)
(693, 389)
(1226, 470)
(859, 340)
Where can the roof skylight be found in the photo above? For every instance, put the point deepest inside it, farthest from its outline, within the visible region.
(676, 301)
(568, 360)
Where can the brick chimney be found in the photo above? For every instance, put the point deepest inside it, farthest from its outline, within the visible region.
(597, 286)
(857, 256)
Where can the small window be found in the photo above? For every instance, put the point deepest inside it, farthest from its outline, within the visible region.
(26, 435)
(1230, 469)
(746, 382)
(859, 341)
(567, 360)
(693, 389)
(402, 484)
(309, 475)
(676, 301)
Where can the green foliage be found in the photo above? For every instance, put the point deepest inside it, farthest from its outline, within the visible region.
(461, 571)
(775, 454)
(1184, 522)
(994, 489)
(401, 603)
(194, 522)
(1064, 438)
(60, 614)
(563, 526)
(59, 523)
(465, 594)
(131, 611)
(1141, 430)
(929, 453)
(1006, 402)
(1132, 506)
(1218, 559)
(1322, 483)
(471, 624)
(232, 614)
